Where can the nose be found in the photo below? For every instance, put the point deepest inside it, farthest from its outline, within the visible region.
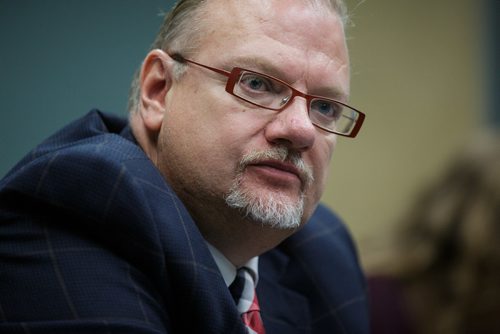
(292, 127)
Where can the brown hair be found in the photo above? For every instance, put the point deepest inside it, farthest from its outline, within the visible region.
(448, 257)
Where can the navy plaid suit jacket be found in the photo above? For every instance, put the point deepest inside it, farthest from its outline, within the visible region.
(93, 240)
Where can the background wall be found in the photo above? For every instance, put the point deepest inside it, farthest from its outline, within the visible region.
(60, 58)
(417, 72)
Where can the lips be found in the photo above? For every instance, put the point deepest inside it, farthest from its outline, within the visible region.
(279, 170)
(278, 165)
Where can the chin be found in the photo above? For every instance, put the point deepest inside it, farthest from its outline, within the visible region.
(272, 210)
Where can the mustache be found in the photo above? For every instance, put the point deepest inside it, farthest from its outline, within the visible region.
(282, 154)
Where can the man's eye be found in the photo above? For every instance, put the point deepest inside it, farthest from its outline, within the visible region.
(326, 109)
(255, 83)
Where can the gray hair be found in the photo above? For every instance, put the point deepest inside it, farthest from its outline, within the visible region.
(182, 29)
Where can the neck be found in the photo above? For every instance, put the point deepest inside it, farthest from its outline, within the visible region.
(235, 236)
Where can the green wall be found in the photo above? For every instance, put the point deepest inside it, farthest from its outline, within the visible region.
(60, 58)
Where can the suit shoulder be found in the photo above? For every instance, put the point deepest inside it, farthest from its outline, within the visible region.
(82, 166)
(326, 221)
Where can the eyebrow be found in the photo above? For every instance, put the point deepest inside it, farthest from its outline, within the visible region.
(265, 67)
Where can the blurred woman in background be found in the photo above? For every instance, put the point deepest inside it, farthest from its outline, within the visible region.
(445, 274)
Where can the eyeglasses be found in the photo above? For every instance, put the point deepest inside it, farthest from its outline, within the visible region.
(267, 92)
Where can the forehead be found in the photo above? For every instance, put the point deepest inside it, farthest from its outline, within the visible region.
(304, 41)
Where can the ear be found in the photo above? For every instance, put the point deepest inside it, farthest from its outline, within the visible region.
(155, 81)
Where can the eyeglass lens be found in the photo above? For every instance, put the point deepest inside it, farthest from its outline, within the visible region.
(270, 93)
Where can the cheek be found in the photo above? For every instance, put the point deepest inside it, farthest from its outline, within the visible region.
(206, 139)
(321, 159)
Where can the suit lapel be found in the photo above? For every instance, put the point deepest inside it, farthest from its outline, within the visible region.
(283, 310)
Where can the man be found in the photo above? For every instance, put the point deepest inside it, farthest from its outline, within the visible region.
(167, 225)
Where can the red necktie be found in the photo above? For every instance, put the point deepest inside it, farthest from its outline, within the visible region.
(243, 291)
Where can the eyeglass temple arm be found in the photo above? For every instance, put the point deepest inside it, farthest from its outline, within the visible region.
(177, 57)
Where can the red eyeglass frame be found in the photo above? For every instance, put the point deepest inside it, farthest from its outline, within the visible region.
(233, 77)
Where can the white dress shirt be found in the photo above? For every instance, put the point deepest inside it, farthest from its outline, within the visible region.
(228, 270)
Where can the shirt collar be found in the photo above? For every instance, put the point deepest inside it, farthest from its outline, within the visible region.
(228, 270)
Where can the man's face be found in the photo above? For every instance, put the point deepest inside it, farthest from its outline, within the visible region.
(213, 145)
